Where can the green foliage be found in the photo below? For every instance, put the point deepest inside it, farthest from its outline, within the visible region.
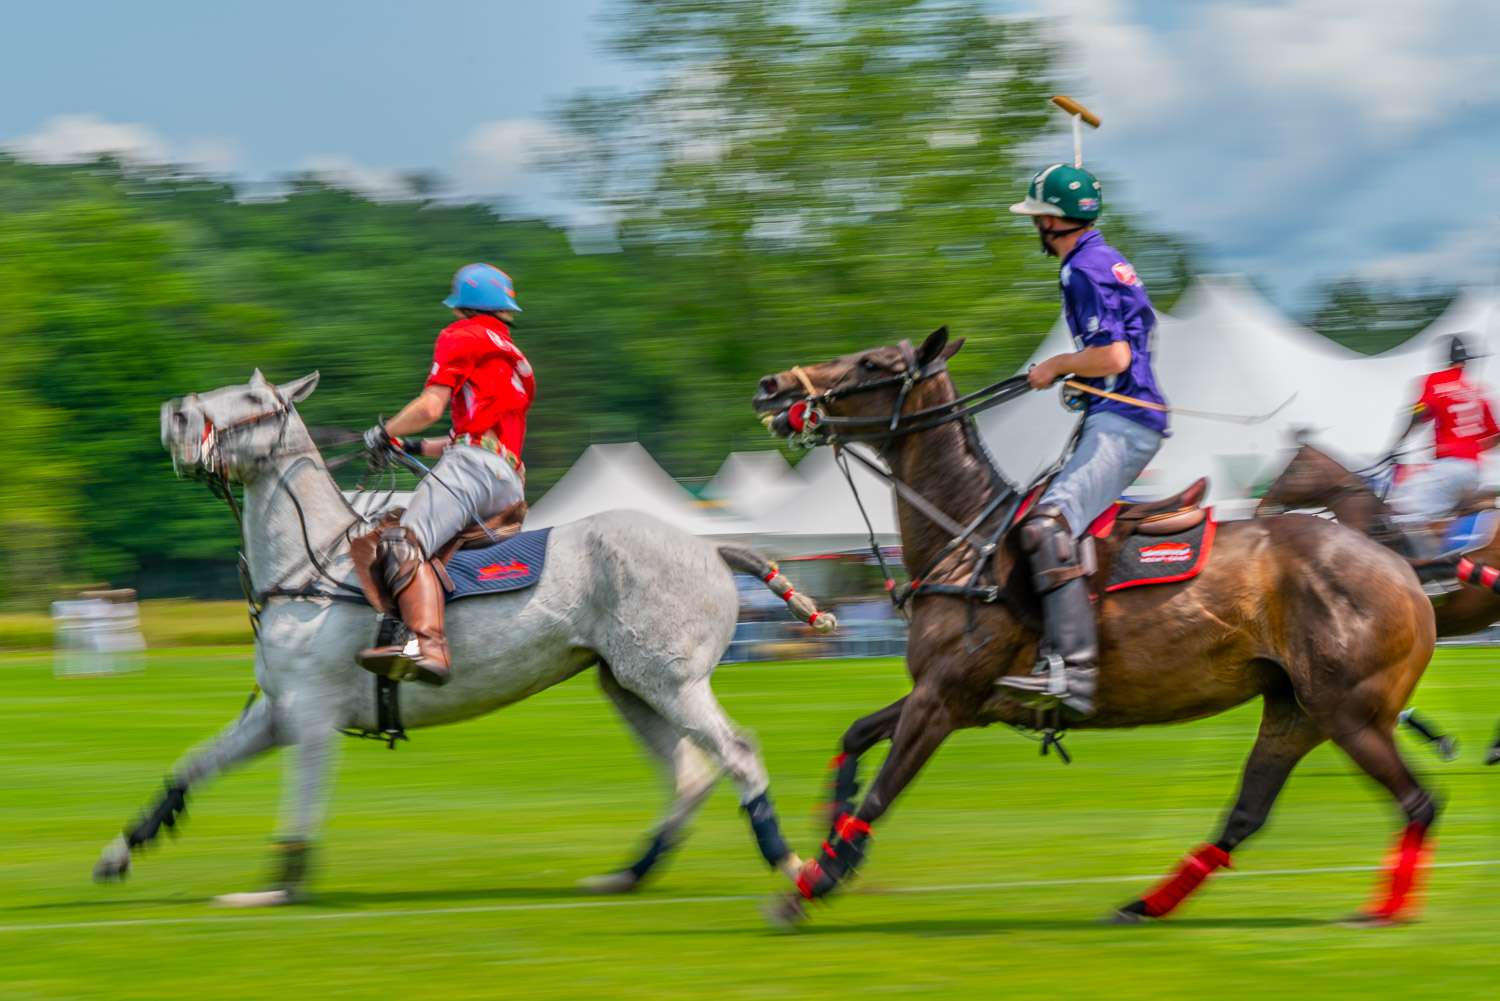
(1372, 318)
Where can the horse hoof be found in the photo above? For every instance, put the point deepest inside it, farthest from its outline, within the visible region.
(1493, 756)
(610, 883)
(114, 862)
(1448, 747)
(1365, 919)
(784, 913)
(260, 898)
(1123, 917)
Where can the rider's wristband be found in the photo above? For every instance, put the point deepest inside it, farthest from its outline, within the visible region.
(411, 446)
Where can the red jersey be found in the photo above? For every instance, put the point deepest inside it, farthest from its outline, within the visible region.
(491, 380)
(1460, 414)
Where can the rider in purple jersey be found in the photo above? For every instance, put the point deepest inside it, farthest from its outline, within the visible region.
(1112, 322)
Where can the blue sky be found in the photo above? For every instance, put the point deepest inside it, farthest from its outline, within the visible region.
(1294, 139)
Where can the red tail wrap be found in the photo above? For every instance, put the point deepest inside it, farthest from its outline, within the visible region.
(1406, 865)
(1189, 876)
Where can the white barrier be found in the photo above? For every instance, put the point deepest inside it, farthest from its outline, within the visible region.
(97, 633)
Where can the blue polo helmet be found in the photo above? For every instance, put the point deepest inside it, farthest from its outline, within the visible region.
(482, 287)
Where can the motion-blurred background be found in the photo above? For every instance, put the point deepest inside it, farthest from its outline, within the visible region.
(688, 194)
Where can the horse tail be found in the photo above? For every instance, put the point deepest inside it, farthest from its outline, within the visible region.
(804, 608)
(1482, 574)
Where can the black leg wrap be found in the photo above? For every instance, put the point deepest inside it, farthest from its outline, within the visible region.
(767, 829)
(845, 785)
(1420, 808)
(838, 861)
(164, 814)
(292, 867)
(654, 852)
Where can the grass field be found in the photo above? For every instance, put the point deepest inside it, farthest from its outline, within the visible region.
(449, 863)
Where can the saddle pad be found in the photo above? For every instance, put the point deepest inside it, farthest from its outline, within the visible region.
(511, 565)
(1161, 559)
(1471, 532)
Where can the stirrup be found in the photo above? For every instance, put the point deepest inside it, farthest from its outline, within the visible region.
(1047, 688)
(402, 664)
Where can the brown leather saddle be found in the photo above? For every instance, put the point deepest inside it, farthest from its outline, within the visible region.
(363, 550)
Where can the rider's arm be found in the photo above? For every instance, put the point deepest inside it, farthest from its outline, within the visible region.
(1099, 361)
(420, 414)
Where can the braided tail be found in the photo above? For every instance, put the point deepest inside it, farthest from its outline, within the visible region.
(804, 608)
(1479, 574)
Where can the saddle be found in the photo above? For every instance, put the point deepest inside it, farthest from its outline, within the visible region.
(363, 549)
(1178, 537)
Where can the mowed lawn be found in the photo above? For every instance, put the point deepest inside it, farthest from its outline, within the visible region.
(449, 864)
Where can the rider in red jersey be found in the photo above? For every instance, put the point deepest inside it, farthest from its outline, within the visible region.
(480, 374)
(1463, 428)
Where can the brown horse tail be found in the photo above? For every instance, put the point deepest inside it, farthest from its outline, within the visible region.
(804, 608)
(1474, 572)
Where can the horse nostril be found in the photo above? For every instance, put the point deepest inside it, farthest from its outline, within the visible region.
(769, 385)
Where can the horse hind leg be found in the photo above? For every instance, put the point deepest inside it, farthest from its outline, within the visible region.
(1286, 735)
(1373, 748)
(252, 734)
(691, 775)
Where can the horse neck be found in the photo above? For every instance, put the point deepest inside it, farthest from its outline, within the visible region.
(1357, 508)
(941, 464)
(276, 542)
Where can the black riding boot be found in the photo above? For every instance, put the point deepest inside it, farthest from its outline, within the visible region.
(1066, 673)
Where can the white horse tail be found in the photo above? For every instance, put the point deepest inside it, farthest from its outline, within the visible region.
(804, 608)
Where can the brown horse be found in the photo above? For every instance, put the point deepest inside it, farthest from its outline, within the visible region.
(1313, 479)
(1327, 627)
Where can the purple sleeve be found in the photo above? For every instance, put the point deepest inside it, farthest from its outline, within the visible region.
(1096, 308)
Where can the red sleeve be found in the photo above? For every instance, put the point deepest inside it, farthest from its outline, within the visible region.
(1426, 408)
(1490, 429)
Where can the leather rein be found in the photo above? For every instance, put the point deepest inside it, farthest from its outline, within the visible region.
(818, 428)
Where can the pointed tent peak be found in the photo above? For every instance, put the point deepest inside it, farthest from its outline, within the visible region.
(743, 474)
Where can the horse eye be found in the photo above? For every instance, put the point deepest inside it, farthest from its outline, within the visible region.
(869, 366)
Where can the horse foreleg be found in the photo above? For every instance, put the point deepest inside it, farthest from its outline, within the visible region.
(691, 775)
(1287, 734)
(308, 771)
(924, 722)
(864, 734)
(1374, 750)
(250, 735)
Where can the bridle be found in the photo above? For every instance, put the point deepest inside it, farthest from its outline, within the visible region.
(817, 427)
(212, 468)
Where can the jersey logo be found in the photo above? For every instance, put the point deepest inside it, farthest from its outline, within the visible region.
(1125, 273)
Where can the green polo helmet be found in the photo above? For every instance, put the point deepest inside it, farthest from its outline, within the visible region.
(1061, 190)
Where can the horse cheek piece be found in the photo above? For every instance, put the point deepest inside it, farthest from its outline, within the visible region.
(1328, 629)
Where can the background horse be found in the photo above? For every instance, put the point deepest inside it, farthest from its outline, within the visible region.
(1314, 479)
(1328, 628)
(651, 606)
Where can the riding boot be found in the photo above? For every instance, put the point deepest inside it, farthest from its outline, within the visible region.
(419, 595)
(1067, 671)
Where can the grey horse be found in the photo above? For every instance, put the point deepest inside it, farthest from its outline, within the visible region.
(650, 606)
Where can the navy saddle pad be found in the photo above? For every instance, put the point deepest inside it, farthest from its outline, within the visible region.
(511, 565)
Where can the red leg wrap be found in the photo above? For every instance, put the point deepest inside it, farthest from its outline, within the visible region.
(1193, 871)
(808, 878)
(1407, 865)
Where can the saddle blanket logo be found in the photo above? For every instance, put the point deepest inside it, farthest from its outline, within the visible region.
(502, 571)
(512, 565)
(1167, 552)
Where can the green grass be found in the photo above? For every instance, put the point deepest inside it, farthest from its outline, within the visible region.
(463, 848)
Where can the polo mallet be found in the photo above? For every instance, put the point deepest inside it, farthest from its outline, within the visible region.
(1079, 114)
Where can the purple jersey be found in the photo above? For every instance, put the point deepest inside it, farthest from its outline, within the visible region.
(1104, 301)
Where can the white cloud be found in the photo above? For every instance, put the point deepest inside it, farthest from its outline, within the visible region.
(505, 157)
(381, 184)
(1295, 136)
(84, 137)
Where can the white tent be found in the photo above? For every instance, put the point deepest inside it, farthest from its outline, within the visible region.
(611, 477)
(822, 517)
(748, 484)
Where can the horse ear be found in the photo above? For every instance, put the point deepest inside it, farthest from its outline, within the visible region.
(257, 379)
(300, 389)
(932, 348)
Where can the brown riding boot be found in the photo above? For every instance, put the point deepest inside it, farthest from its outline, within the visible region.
(419, 594)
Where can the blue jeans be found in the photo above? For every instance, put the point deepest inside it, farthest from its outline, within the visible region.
(1111, 453)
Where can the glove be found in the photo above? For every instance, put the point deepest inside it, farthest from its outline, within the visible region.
(377, 440)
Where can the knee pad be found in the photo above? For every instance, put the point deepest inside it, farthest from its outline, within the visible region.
(400, 557)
